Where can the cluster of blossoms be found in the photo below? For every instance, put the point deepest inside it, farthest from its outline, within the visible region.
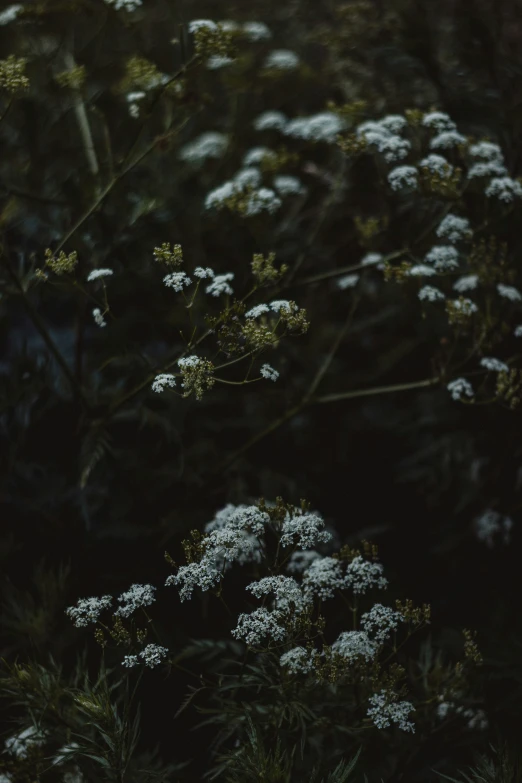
(136, 597)
(209, 145)
(385, 710)
(152, 655)
(97, 274)
(88, 610)
(492, 525)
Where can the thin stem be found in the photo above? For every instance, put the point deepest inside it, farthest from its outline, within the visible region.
(351, 395)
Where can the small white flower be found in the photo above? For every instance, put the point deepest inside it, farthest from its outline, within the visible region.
(256, 31)
(220, 285)
(163, 380)
(454, 228)
(202, 24)
(153, 655)
(421, 270)
(466, 283)
(323, 577)
(99, 320)
(307, 528)
(361, 575)
(248, 177)
(177, 280)
(379, 622)
(487, 151)
(127, 5)
(88, 610)
(282, 60)
(385, 710)
(431, 294)
(492, 168)
(348, 281)
(464, 306)
(10, 14)
(218, 197)
(494, 365)
(353, 645)
(264, 199)
(21, 744)
(299, 660)
(394, 123)
(447, 140)
(509, 292)
(403, 177)
(518, 331)
(130, 660)
(504, 188)
(257, 155)
(280, 304)
(443, 257)
(203, 272)
(259, 625)
(324, 126)
(437, 165)
(288, 595)
(97, 273)
(438, 121)
(460, 388)
(218, 61)
(208, 145)
(269, 373)
(271, 120)
(134, 598)
(289, 186)
(258, 310)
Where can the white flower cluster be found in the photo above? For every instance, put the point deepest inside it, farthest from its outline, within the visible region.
(490, 525)
(220, 285)
(421, 270)
(202, 24)
(269, 373)
(255, 31)
(281, 60)
(438, 121)
(88, 610)
(464, 306)
(383, 135)
(287, 185)
(256, 155)
(361, 575)
(324, 126)
(379, 622)
(370, 259)
(403, 177)
(518, 331)
(299, 660)
(162, 381)
(307, 528)
(493, 365)
(124, 5)
(97, 273)
(133, 99)
(234, 535)
(490, 169)
(353, 645)
(436, 164)
(271, 120)
(10, 14)
(152, 656)
(385, 710)
(259, 625)
(447, 140)
(218, 61)
(460, 388)
(476, 718)
(20, 744)
(208, 145)
(99, 320)
(257, 201)
(323, 576)
(504, 188)
(443, 257)
(257, 311)
(509, 292)
(466, 283)
(177, 280)
(454, 228)
(431, 294)
(203, 272)
(134, 598)
(348, 281)
(288, 595)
